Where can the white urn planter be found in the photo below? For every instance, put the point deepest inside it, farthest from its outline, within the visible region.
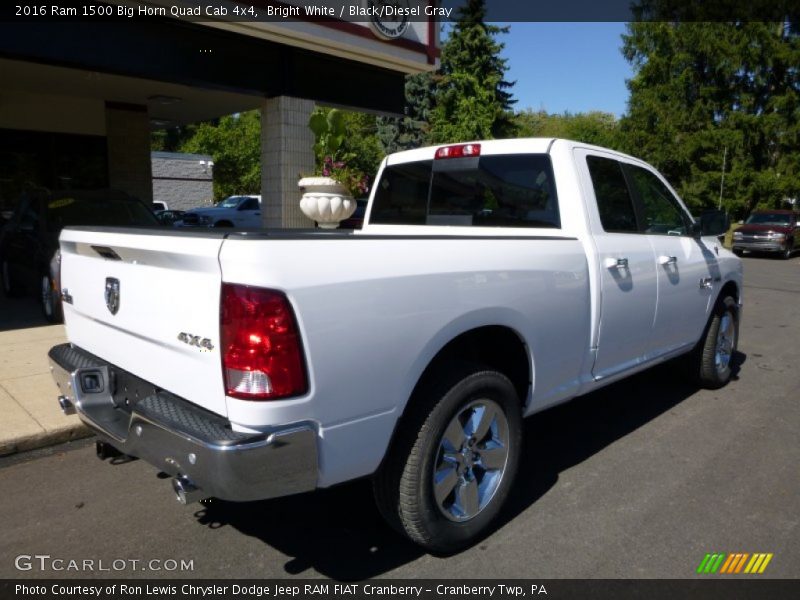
(325, 201)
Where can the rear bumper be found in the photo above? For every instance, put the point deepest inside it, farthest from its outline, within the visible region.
(180, 438)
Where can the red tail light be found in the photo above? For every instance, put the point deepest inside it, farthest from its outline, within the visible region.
(460, 151)
(262, 354)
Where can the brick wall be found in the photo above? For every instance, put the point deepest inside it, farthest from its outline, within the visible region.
(286, 155)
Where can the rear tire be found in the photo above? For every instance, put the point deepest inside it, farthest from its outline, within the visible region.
(454, 458)
(223, 224)
(712, 358)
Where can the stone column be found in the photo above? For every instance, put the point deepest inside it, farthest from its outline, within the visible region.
(287, 153)
(128, 141)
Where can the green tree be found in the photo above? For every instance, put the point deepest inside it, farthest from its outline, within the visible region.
(473, 98)
(708, 95)
(234, 142)
(411, 130)
(171, 139)
(362, 143)
(594, 127)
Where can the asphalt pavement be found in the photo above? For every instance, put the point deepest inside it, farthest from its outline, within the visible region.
(640, 479)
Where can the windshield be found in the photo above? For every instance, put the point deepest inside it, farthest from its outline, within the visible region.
(231, 202)
(769, 219)
(98, 210)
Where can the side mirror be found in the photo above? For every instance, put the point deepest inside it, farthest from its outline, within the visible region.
(714, 222)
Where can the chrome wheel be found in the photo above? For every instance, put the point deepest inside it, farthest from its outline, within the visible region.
(47, 296)
(471, 460)
(726, 341)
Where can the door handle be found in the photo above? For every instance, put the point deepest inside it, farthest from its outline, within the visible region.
(616, 263)
(668, 260)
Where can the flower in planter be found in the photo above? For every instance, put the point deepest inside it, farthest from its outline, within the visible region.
(328, 126)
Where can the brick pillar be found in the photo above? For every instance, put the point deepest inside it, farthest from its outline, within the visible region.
(128, 141)
(286, 154)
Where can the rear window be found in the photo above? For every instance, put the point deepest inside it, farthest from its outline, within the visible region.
(501, 190)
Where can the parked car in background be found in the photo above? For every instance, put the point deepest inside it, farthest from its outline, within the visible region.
(29, 262)
(169, 217)
(242, 212)
(159, 206)
(776, 231)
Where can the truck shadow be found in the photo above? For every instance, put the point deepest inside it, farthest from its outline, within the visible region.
(340, 534)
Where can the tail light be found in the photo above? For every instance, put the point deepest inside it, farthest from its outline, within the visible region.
(459, 151)
(262, 354)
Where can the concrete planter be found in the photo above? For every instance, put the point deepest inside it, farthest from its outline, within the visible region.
(325, 201)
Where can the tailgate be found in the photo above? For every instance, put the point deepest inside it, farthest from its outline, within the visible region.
(168, 288)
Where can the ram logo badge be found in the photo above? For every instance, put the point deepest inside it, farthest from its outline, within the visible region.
(195, 340)
(112, 294)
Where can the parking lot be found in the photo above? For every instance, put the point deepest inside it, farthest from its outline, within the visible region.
(640, 479)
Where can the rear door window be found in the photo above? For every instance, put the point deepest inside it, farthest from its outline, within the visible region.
(503, 190)
(614, 201)
(662, 213)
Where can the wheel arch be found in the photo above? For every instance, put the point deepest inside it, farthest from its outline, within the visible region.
(730, 288)
(500, 347)
(497, 346)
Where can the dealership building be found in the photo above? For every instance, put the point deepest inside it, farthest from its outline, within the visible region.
(80, 97)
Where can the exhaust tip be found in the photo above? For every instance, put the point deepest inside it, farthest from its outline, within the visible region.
(185, 491)
(66, 405)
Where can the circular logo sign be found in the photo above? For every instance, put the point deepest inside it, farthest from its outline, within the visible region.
(389, 18)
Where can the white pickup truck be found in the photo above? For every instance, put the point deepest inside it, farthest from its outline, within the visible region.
(490, 281)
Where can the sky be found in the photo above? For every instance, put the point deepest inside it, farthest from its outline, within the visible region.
(575, 67)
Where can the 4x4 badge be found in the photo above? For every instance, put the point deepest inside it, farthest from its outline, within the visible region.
(112, 294)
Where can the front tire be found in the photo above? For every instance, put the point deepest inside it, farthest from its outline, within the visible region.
(787, 252)
(451, 467)
(9, 287)
(718, 345)
(51, 305)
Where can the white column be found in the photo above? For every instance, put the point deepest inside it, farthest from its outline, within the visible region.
(287, 154)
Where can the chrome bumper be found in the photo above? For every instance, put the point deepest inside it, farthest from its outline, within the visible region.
(759, 246)
(180, 438)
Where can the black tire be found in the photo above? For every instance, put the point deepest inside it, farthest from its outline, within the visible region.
(223, 224)
(10, 287)
(51, 303)
(404, 485)
(738, 252)
(787, 252)
(713, 371)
